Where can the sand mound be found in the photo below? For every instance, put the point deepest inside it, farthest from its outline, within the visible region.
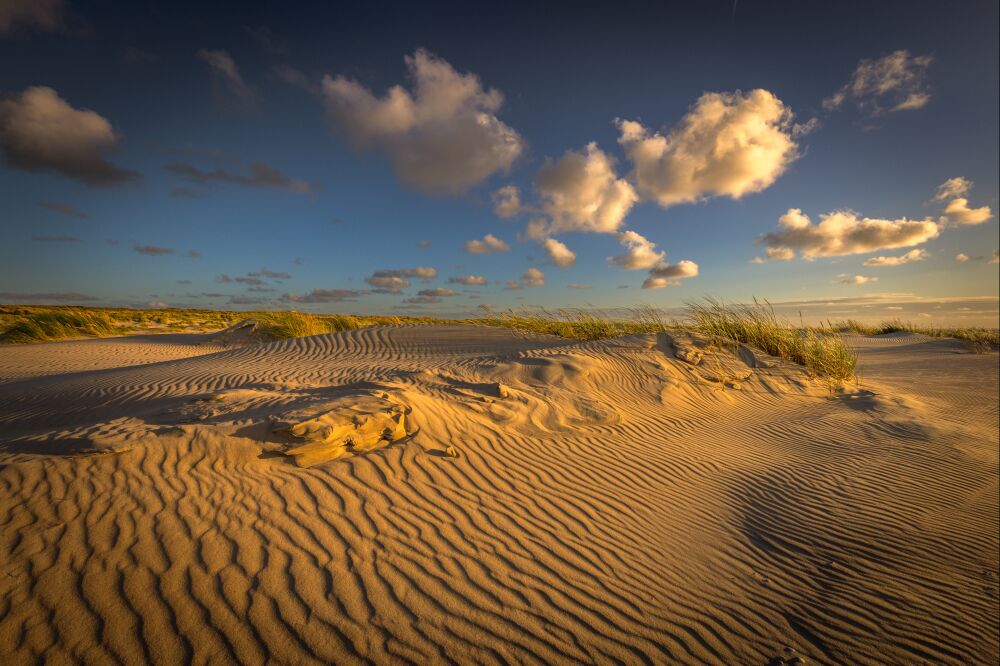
(458, 494)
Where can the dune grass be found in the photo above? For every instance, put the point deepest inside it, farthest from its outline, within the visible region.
(982, 339)
(575, 323)
(824, 354)
(283, 325)
(58, 325)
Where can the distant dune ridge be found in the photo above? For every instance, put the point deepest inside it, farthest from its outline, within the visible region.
(460, 494)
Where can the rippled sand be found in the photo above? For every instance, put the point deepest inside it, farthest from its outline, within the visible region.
(541, 501)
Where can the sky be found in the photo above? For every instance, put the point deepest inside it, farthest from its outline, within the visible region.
(839, 159)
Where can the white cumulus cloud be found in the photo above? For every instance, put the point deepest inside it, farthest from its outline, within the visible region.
(580, 192)
(559, 254)
(490, 244)
(912, 255)
(958, 211)
(640, 253)
(533, 278)
(843, 232)
(468, 280)
(443, 137)
(844, 278)
(952, 188)
(728, 144)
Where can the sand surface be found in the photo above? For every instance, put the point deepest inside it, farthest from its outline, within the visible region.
(453, 494)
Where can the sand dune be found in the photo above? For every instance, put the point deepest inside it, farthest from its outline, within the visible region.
(471, 495)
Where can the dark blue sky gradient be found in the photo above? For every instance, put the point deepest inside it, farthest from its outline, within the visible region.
(566, 72)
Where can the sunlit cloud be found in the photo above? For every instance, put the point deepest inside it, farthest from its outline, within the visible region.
(912, 255)
(665, 274)
(507, 202)
(444, 137)
(274, 275)
(728, 144)
(426, 296)
(843, 232)
(394, 281)
(775, 254)
(558, 253)
(895, 82)
(844, 278)
(581, 192)
(953, 188)
(958, 211)
(640, 253)
(40, 131)
(490, 244)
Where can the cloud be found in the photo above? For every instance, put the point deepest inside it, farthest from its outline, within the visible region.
(261, 175)
(194, 254)
(38, 297)
(430, 296)
(775, 254)
(912, 255)
(895, 82)
(842, 232)
(728, 144)
(559, 254)
(39, 131)
(65, 209)
(227, 77)
(73, 239)
(153, 250)
(996, 257)
(844, 278)
(507, 202)
(324, 296)
(490, 244)
(952, 188)
(394, 281)
(962, 257)
(468, 280)
(424, 244)
(295, 78)
(580, 192)
(442, 138)
(958, 211)
(640, 253)
(274, 275)
(578, 286)
(41, 15)
(250, 279)
(664, 274)
(533, 278)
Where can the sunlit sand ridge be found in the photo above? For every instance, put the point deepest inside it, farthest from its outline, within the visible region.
(463, 494)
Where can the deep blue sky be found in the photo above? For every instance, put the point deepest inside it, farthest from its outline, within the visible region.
(566, 73)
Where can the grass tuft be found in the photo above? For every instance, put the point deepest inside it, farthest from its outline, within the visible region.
(824, 354)
(58, 325)
(981, 340)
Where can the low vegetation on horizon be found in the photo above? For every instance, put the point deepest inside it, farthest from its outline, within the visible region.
(823, 350)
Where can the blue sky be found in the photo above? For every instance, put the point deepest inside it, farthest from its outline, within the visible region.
(184, 86)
